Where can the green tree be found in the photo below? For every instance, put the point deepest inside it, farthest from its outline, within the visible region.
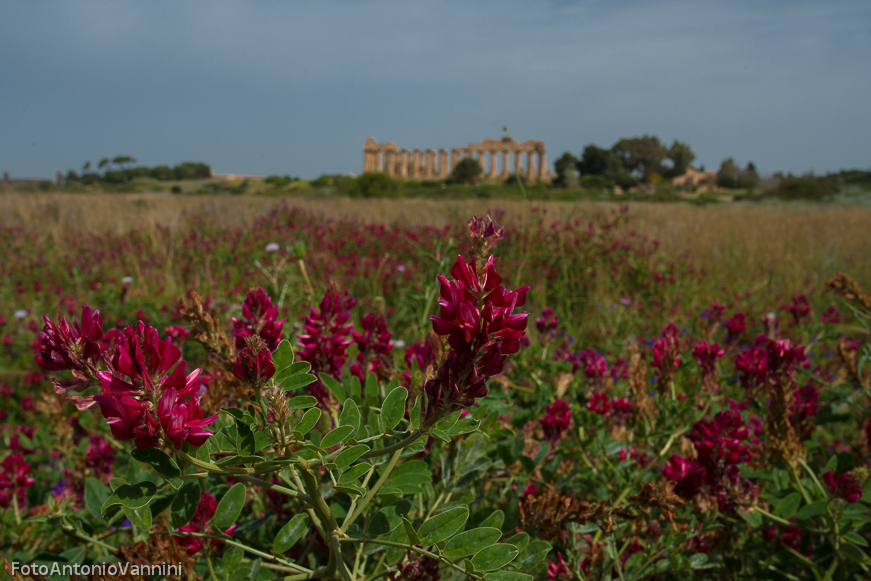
(566, 171)
(681, 157)
(729, 175)
(467, 171)
(375, 185)
(642, 156)
(598, 161)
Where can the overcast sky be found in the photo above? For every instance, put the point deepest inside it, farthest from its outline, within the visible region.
(281, 87)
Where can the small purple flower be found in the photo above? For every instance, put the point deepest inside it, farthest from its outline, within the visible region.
(273, 247)
(626, 302)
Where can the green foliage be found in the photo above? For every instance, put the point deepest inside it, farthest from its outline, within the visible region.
(375, 185)
(641, 156)
(803, 188)
(467, 171)
(731, 176)
(566, 171)
(594, 182)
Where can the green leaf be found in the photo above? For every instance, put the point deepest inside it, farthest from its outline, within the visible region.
(282, 357)
(854, 538)
(495, 520)
(494, 557)
(229, 508)
(238, 460)
(96, 494)
(440, 435)
(302, 402)
(388, 518)
(245, 444)
(787, 507)
(140, 517)
(698, 560)
(354, 473)
(753, 518)
(532, 554)
(309, 420)
(185, 504)
(337, 436)
(520, 540)
(371, 389)
(131, 495)
(853, 552)
(350, 415)
(444, 525)
(157, 459)
(237, 414)
(507, 576)
(811, 511)
(413, 537)
(336, 388)
(349, 488)
(410, 478)
(291, 382)
(290, 533)
(414, 414)
(393, 408)
(349, 456)
(470, 542)
(464, 426)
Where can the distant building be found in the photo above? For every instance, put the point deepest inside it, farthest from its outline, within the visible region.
(528, 159)
(232, 177)
(694, 177)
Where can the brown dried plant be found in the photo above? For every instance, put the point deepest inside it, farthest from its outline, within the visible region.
(849, 289)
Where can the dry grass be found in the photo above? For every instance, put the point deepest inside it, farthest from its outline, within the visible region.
(785, 246)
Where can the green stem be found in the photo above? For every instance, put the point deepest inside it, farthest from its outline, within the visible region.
(275, 487)
(407, 548)
(372, 491)
(776, 519)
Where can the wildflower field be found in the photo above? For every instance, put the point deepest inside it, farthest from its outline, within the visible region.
(543, 392)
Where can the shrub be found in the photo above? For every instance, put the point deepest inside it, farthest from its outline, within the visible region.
(163, 173)
(375, 185)
(594, 182)
(322, 181)
(467, 171)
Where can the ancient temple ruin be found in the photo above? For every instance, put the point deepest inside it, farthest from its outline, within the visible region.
(499, 158)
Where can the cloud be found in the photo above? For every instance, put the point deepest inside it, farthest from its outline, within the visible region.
(249, 86)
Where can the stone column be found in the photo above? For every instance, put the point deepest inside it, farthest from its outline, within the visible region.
(443, 163)
(506, 165)
(493, 164)
(402, 170)
(518, 163)
(455, 158)
(430, 164)
(530, 167)
(390, 163)
(542, 165)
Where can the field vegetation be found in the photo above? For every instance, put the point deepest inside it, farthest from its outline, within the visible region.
(392, 390)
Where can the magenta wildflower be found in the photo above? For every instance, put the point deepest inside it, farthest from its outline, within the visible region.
(718, 441)
(100, 456)
(831, 315)
(373, 348)
(477, 315)
(844, 486)
(557, 420)
(799, 308)
(688, 474)
(201, 523)
(259, 317)
(325, 341)
(14, 480)
(254, 367)
(558, 570)
(547, 323)
(75, 348)
(599, 403)
(735, 326)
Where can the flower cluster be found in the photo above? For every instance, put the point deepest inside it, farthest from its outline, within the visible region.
(325, 341)
(547, 325)
(707, 355)
(14, 481)
(557, 420)
(373, 348)
(201, 524)
(844, 486)
(259, 317)
(799, 308)
(666, 356)
(254, 365)
(735, 327)
(477, 316)
(689, 475)
(72, 347)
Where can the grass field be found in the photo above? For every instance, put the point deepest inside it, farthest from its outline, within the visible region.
(687, 397)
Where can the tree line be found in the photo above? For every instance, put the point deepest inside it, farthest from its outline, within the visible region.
(120, 170)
